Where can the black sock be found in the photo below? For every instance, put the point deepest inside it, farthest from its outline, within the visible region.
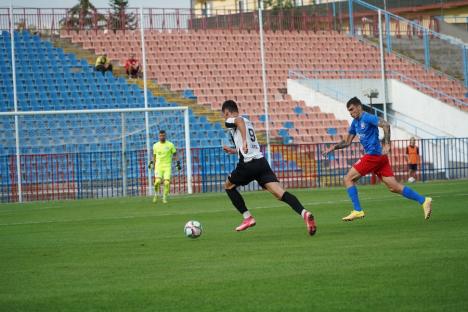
(292, 201)
(237, 200)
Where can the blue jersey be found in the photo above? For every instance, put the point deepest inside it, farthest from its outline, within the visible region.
(366, 128)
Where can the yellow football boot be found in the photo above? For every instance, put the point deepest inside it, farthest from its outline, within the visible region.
(427, 207)
(354, 215)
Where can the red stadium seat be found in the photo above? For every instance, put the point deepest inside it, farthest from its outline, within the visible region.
(220, 64)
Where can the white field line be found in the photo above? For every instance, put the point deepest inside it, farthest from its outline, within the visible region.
(191, 197)
(176, 213)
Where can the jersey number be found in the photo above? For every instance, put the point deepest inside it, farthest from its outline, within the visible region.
(252, 135)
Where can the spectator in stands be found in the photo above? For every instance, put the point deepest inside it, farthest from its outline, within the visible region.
(102, 64)
(412, 151)
(132, 67)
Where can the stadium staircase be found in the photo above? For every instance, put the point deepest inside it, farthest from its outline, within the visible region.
(444, 57)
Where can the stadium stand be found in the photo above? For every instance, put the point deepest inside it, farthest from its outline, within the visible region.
(205, 67)
(49, 79)
(219, 64)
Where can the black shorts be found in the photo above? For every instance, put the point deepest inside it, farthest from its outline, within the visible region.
(413, 167)
(256, 169)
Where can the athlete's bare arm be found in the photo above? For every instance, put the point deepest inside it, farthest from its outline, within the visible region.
(386, 139)
(229, 150)
(343, 144)
(240, 124)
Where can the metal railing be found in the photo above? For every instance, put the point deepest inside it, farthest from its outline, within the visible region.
(324, 17)
(374, 74)
(416, 39)
(454, 19)
(327, 16)
(412, 4)
(57, 20)
(314, 77)
(99, 174)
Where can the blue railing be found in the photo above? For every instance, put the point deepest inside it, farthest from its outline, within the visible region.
(374, 74)
(101, 174)
(364, 15)
(314, 76)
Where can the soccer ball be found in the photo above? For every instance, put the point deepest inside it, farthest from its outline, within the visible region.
(193, 229)
(411, 180)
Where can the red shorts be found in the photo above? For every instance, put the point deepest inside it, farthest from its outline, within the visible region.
(377, 164)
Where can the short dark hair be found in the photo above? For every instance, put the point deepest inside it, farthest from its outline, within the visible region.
(353, 101)
(162, 131)
(230, 105)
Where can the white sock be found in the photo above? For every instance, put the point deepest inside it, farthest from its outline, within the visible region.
(303, 213)
(246, 214)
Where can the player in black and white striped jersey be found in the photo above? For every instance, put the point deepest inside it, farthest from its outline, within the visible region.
(253, 166)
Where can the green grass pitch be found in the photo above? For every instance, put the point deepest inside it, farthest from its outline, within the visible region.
(131, 255)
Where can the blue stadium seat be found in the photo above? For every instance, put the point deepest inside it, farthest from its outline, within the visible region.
(283, 132)
(288, 125)
(187, 93)
(298, 110)
(332, 131)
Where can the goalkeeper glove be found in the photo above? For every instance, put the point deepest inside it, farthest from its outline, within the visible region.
(151, 165)
(178, 166)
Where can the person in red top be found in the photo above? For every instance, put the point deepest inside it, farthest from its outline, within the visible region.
(412, 151)
(132, 67)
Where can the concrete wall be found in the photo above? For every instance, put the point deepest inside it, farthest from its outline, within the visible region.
(452, 30)
(412, 108)
(301, 92)
(420, 106)
(350, 87)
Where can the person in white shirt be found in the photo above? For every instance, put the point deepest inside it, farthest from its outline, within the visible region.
(253, 166)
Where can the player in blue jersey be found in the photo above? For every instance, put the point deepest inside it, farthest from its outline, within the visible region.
(375, 160)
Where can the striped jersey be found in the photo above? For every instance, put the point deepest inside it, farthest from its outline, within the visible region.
(252, 143)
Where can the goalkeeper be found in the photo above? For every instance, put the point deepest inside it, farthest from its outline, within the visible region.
(163, 151)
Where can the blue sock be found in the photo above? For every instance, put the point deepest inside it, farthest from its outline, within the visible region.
(353, 194)
(410, 194)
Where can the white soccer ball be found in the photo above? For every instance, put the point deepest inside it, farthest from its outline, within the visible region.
(411, 180)
(193, 229)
